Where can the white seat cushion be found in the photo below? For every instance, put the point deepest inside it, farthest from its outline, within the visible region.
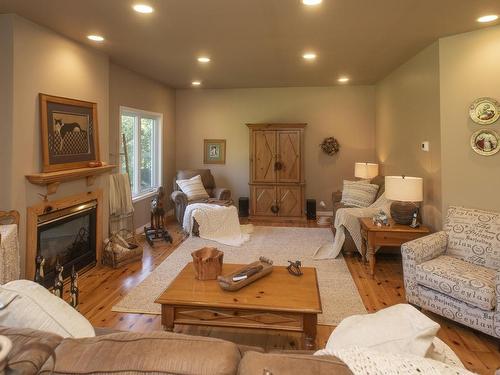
(193, 188)
(459, 279)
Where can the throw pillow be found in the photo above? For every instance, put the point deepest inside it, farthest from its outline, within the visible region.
(397, 329)
(193, 188)
(26, 304)
(359, 193)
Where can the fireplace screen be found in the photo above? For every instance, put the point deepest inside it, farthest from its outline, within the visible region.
(67, 236)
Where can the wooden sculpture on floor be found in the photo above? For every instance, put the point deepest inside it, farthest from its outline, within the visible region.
(59, 281)
(73, 290)
(40, 269)
(157, 230)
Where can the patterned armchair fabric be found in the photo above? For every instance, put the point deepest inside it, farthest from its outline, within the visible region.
(180, 199)
(456, 272)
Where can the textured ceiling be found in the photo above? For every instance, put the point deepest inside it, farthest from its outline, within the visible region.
(258, 43)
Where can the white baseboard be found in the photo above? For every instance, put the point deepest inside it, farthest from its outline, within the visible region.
(324, 213)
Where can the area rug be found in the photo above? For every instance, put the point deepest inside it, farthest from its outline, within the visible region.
(339, 296)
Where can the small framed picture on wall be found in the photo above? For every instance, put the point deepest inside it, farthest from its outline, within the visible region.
(214, 151)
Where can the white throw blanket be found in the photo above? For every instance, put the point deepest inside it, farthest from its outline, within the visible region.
(217, 223)
(347, 219)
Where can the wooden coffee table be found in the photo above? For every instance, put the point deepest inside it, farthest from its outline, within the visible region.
(278, 301)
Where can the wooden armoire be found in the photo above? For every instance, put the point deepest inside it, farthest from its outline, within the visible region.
(277, 171)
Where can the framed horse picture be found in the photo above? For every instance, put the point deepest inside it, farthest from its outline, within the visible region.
(70, 137)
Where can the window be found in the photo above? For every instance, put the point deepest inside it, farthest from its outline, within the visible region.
(142, 132)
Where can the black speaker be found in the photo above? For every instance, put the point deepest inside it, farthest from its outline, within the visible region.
(311, 209)
(243, 207)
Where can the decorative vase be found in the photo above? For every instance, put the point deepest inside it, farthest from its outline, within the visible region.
(207, 263)
(402, 212)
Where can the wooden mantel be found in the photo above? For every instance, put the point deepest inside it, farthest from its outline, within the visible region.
(53, 179)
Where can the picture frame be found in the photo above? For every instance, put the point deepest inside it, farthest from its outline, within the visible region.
(214, 151)
(69, 133)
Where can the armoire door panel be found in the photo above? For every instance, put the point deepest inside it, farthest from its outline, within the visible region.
(263, 199)
(264, 151)
(289, 156)
(290, 200)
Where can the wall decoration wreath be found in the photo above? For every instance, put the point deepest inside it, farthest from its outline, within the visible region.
(330, 146)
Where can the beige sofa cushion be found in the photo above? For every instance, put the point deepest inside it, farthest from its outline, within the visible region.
(474, 236)
(290, 364)
(459, 279)
(30, 349)
(158, 352)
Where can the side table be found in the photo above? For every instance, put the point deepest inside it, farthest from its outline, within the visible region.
(374, 237)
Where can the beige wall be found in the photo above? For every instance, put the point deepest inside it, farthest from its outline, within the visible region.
(45, 62)
(470, 69)
(129, 89)
(344, 112)
(6, 94)
(407, 113)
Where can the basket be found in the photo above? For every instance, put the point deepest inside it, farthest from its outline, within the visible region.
(122, 248)
(207, 263)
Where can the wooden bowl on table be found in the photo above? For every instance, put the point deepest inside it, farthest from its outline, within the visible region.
(207, 263)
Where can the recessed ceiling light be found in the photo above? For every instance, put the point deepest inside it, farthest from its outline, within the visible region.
(488, 18)
(311, 2)
(143, 8)
(95, 38)
(204, 59)
(196, 83)
(343, 79)
(309, 55)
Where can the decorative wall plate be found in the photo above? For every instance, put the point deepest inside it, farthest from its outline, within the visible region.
(485, 142)
(484, 111)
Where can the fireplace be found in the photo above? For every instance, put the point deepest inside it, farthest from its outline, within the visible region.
(67, 236)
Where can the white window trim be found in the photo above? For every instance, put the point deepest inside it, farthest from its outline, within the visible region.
(159, 145)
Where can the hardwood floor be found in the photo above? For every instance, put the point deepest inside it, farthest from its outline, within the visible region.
(102, 287)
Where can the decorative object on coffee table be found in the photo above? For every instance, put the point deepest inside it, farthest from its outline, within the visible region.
(214, 151)
(294, 268)
(485, 142)
(207, 263)
(157, 230)
(277, 302)
(365, 171)
(484, 111)
(394, 234)
(246, 275)
(330, 146)
(405, 192)
(69, 133)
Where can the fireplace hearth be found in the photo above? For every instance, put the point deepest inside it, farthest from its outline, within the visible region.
(68, 237)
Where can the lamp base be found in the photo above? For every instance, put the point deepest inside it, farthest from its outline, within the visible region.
(402, 212)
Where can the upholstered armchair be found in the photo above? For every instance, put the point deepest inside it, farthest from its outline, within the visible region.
(456, 272)
(180, 199)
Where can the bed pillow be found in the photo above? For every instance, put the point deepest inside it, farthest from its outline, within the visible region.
(359, 193)
(26, 304)
(397, 329)
(193, 188)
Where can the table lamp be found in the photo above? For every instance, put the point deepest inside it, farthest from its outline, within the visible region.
(405, 192)
(365, 171)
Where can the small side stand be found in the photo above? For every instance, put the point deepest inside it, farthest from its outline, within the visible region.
(157, 230)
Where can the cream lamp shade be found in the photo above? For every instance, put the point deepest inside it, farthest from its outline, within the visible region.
(404, 189)
(365, 170)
